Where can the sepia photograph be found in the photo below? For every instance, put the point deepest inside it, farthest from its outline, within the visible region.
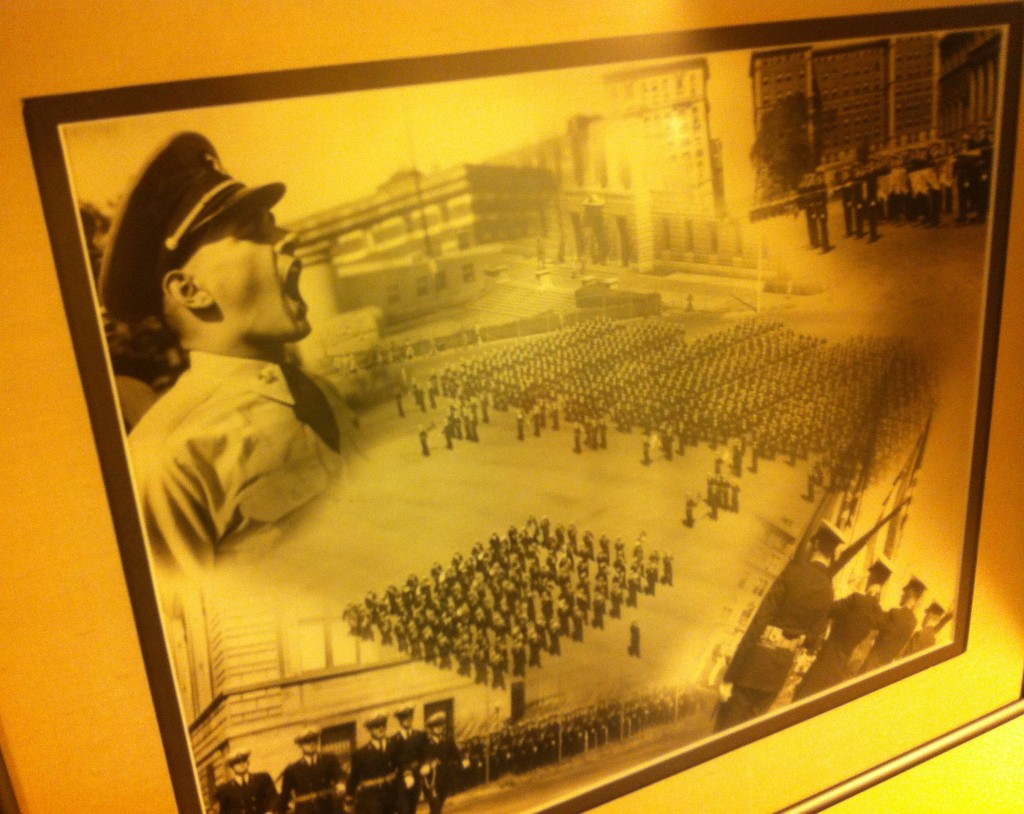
(493, 440)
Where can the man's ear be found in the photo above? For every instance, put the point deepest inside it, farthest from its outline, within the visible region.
(182, 289)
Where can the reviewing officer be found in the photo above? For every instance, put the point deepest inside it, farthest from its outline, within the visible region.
(243, 438)
(792, 615)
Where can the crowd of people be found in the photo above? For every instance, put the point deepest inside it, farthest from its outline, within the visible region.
(527, 745)
(758, 384)
(510, 602)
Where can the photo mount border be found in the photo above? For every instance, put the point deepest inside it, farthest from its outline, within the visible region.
(44, 116)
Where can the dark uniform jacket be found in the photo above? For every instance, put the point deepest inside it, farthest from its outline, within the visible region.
(443, 759)
(922, 640)
(371, 781)
(897, 628)
(853, 618)
(311, 785)
(256, 796)
(797, 604)
(407, 755)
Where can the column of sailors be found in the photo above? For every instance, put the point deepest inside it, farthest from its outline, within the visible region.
(522, 747)
(510, 602)
(921, 185)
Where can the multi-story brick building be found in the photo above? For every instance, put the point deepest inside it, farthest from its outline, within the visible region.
(883, 94)
(968, 80)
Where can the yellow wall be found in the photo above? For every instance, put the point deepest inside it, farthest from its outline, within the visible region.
(76, 720)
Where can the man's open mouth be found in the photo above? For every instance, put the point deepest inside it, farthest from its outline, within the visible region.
(291, 283)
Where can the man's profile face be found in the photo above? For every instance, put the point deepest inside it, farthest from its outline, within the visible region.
(247, 266)
(309, 748)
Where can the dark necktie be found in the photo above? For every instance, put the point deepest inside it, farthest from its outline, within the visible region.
(311, 406)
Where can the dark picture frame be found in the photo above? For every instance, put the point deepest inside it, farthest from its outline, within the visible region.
(53, 123)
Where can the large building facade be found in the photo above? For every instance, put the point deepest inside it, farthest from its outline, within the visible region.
(885, 94)
(420, 243)
(252, 676)
(636, 176)
(968, 80)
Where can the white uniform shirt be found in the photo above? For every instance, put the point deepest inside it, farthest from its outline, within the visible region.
(221, 453)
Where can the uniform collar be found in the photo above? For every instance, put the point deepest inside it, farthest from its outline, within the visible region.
(257, 375)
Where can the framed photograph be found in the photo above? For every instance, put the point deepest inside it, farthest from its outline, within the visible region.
(506, 431)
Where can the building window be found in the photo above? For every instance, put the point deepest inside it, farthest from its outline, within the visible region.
(393, 293)
(440, 280)
(339, 740)
(423, 285)
(468, 273)
(324, 643)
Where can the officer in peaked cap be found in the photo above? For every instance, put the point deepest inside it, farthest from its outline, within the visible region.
(245, 793)
(792, 615)
(308, 736)
(243, 438)
(442, 761)
(898, 625)
(853, 618)
(406, 747)
(371, 785)
(312, 783)
(934, 618)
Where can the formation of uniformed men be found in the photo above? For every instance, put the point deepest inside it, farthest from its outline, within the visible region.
(918, 185)
(522, 747)
(758, 385)
(386, 775)
(499, 610)
(391, 775)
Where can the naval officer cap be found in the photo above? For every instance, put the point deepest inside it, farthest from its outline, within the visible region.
(879, 572)
(915, 586)
(376, 721)
(437, 719)
(828, 537)
(307, 735)
(181, 191)
(404, 713)
(935, 609)
(240, 756)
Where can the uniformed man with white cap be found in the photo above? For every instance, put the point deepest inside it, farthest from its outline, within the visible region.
(313, 783)
(370, 788)
(442, 762)
(406, 747)
(245, 792)
(243, 438)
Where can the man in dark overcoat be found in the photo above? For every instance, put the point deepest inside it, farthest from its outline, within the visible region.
(370, 788)
(925, 637)
(406, 747)
(792, 614)
(245, 793)
(853, 618)
(312, 783)
(441, 766)
(897, 627)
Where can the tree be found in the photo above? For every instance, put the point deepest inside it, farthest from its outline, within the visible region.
(782, 150)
